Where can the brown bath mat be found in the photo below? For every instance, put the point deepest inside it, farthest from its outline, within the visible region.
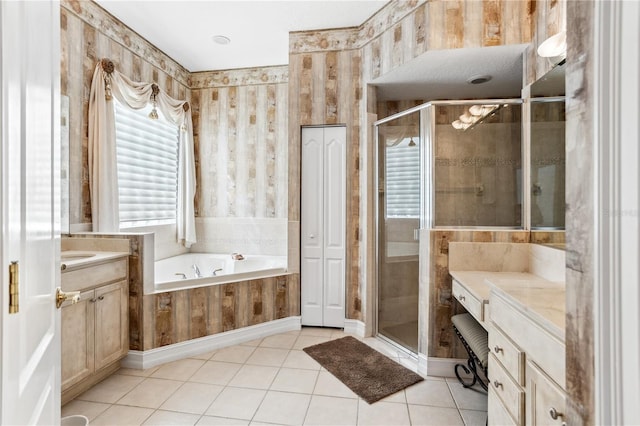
(367, 372)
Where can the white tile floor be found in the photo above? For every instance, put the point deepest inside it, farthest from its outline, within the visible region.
(269, 381)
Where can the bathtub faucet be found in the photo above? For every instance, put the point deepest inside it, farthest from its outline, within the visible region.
(237, 256)
(215, 271)
(196, 270)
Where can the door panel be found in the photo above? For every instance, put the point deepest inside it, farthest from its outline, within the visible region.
(311, 227)
(323, 226)
(29, 112)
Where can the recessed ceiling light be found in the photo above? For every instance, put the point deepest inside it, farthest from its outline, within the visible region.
(478, 79)
(220, 39)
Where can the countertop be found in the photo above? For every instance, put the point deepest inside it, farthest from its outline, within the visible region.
(540, 299)
(84, 258)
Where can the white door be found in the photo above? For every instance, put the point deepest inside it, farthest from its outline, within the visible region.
(323, 223)
(29, 210)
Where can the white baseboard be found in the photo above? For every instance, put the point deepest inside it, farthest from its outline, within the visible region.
(354, 327)
(146, 359)
(440, 367)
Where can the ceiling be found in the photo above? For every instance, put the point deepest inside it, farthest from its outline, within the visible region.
(259, 33)
(443, 74)
(258, 29)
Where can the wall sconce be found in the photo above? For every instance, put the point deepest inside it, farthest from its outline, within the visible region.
(554, 46)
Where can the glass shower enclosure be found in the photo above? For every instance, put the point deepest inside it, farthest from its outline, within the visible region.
(444, 164)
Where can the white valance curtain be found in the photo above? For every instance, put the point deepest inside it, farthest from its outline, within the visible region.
(103, 177)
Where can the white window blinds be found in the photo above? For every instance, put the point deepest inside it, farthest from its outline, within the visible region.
(147, 157)
(403, 180)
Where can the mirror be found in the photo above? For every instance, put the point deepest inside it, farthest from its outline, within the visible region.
(547, 159)
(64, 164)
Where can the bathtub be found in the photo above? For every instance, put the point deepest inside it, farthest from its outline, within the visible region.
(168, 273)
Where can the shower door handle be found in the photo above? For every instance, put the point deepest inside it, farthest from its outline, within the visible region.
(416, 235)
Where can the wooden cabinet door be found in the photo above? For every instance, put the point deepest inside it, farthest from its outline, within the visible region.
(545, 399)
(111, 336)
(77, 329)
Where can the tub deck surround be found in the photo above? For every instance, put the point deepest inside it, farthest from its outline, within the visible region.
(169, 272)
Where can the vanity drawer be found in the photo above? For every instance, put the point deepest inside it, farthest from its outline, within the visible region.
(532, 338)
(509, 392)
(94, 275)
(508, 354)
(466, 299)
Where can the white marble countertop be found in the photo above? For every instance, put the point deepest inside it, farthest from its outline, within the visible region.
(540, 299)
(71, 260)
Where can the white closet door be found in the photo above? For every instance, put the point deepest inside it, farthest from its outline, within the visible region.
(312, 228)
(334, 210)
(323, 198)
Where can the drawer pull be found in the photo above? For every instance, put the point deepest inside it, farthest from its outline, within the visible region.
(497, 384)
(554, 413)
(497, 349)
(461, 297)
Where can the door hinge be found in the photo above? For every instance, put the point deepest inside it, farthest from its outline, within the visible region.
(14, 287)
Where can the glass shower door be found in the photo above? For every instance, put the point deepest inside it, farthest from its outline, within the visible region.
(398, 224)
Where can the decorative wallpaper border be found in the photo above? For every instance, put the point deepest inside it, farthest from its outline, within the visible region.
(239, 77)
(354, 37)
(103, 21)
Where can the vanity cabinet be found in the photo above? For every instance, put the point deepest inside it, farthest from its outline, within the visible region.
(519, 345)
(546, 401)
(95, 331)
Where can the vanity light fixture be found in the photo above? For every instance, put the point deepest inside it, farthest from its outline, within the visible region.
(474, 115)
(220, 39)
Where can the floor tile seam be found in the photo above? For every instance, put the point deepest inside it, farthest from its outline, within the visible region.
(448, 408)
(260, 405)
(139, 384)
(455, 401)
(454, 398)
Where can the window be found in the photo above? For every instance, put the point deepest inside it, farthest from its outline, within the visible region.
(147, 158)
(403, 179)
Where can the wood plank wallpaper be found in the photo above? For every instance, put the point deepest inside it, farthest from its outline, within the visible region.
(240, 132)
(88, 33)
(550, 18)
(582, 281)
(402, 30)
(182, 315)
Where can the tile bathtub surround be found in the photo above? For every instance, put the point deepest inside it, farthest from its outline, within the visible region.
(290, 389)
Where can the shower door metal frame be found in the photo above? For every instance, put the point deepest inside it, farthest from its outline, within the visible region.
(376, 160)
(427, 197)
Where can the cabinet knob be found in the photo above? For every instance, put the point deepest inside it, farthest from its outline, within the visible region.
(461, 297)
(554, 413)
(497, 384)
(497, 349)
(311, 236)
